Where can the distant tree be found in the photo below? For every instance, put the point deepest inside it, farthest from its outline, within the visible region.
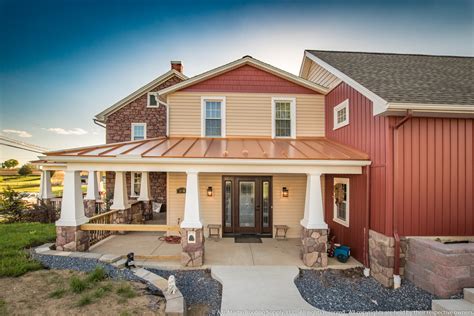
(10, 163)
(25, 170)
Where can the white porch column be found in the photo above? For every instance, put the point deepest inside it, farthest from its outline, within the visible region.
(120, 192)
(45, 185)
(72, 206)
(100, 182)
(144, 187)
(92, 186)
(313, 207)
(192, 216)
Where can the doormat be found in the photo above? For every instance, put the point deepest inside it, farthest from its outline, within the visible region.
(248, 240)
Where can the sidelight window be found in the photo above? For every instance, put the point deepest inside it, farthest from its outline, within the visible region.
(341, 201)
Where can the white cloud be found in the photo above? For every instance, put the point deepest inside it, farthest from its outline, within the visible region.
(23, 134)
(62, 131)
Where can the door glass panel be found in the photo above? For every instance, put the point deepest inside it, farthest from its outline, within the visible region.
(228, 203)
(247, 204)
(266, 203)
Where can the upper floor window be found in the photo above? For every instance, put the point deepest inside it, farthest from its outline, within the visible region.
(341, 114)
(341, 201)
(284, 117)
(152, 100)
(138, 131)
(213, 117)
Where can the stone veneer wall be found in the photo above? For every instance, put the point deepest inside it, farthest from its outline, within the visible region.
(441, 269)
(314, 247)
(71, 238)
(192, 254)
(382, 257)
(157, 186)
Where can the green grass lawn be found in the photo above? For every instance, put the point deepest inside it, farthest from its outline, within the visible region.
(29, 183)
(14, 238)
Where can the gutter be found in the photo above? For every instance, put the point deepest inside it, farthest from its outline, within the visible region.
(98, 123)
(396, 265)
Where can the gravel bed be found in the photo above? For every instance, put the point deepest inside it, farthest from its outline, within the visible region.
(197, 287)
(349, 291)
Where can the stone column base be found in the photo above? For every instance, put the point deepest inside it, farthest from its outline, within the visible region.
(71, 238)
(192, 254)
(147, 210)
(89, 208)
(314, 247)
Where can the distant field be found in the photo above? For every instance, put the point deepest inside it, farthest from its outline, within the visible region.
(29, 183)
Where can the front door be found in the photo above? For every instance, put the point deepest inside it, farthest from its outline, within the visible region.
(247, 205)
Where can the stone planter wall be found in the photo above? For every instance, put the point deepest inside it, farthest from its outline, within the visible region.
(382, 257)
(314, 247)
(192, 254)
(71, 238)
(441, 269)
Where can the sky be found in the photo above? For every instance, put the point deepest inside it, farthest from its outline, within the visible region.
(62, 62)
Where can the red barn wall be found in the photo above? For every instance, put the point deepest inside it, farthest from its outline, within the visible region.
(434, 192)
(248, 79)
(354, 234)
(371, 135)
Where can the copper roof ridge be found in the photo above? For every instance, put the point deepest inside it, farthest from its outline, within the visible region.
(191, 146)
(172, 146)
(289, 142)
(282, 152)
(109, 150)
(134, 147)
(316, 150)
(208, 146)
(348, 147)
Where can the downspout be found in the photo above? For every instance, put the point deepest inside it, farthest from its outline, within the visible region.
(366, 229)
(396, 265)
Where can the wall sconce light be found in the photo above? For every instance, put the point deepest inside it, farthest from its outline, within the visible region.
(284, 192)
(209, 191)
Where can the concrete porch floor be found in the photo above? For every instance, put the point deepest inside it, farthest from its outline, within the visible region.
(224, 251)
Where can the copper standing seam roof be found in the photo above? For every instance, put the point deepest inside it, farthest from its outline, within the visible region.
(231, 148)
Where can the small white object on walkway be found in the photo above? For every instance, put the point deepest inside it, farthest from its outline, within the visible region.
(260, 289)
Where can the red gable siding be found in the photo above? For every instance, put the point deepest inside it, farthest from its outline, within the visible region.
(248, 79)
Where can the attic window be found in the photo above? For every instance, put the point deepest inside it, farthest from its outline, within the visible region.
(152, 100)
(341, 114)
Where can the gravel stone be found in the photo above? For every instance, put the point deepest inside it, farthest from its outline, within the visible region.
(349, 291)
(197, 287)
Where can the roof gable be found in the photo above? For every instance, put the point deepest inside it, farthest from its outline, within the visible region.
(248, 78)
(136, 94)
(223, 75)
(439, 83)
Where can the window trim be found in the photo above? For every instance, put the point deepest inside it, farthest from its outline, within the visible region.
(335, 218)
(337, 108)
(223, 115)
(292, 101)
(148, 105)
(132, 184)
(133, 130)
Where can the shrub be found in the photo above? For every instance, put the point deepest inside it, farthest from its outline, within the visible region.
(97, 275)
(126, 291)
(58, 293)
(25, 170)
(77, 285)
(42, 212)
(11, 205)
(85, 299)
(10, 163)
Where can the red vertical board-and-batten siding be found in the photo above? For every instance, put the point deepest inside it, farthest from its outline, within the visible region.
(433, 169)
(434, 191)
(371, 135)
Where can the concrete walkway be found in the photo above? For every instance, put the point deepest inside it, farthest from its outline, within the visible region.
(256, 290)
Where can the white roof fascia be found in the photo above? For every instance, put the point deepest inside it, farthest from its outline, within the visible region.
(239, 62)
(101, 116)
(379, 104)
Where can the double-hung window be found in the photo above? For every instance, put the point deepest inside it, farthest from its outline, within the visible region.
(341, 201)
(138, 131)
(213, 117)
(341, 114)
(284, 117)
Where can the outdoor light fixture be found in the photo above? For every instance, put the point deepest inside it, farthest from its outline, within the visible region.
(284, 192)
(209, 191)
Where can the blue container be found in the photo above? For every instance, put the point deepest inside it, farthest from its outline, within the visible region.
(342, 253)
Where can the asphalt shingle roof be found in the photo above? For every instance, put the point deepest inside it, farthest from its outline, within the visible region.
(408, 78)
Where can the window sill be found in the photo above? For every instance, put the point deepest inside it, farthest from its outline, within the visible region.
(341, 222)
(340, 126)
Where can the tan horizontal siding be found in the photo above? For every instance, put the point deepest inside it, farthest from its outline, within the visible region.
(286, 211)
(247, 114)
